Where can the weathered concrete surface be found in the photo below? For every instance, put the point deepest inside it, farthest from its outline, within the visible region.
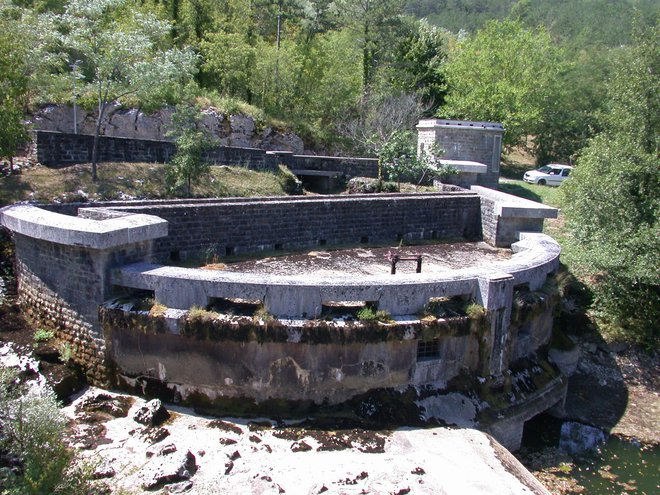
(268, 460)
(302, 295)
(41, 224)
(504, 216)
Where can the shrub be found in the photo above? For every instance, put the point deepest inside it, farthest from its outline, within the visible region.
(42, 335)
(262, 314)
(368, 314)
(32, 429)
(475, 311)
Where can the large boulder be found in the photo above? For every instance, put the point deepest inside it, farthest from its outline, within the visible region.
(153, 413)
(168, 469)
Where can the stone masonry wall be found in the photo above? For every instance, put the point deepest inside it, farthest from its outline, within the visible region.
(239, 227)
(58, 150)
(503, 231)
(62, 286)
(460, 144)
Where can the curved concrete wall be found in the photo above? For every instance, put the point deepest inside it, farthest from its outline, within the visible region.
(69, 266)
(297, 296)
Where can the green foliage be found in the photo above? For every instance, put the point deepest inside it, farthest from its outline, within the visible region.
(42, 335)
(290, 183)
(121, 52)
(580, 23)
(370, 315)
(475, 311)
(399, 159)
(32, 430)
(13, 87)
(66, 352)
(187, 165)
(504, 73)
(375, 26)
(419, 64)
(612, 203)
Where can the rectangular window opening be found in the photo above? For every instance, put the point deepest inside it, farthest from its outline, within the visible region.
(234, 306)
(428, 349)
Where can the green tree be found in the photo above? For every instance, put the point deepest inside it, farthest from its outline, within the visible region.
(418, 64)
(187, 164)
(400, 161)
(122, 54)
(504, 73)
(612, 203)
(375, 24)
(13, 90)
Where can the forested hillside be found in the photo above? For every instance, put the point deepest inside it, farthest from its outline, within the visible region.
(578, 23)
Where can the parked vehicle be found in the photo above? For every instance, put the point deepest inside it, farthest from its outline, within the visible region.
(552, 175)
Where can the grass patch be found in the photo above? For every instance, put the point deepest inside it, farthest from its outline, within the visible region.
(543, 194)
(130, 181)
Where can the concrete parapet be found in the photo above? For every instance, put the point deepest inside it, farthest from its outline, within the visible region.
(504, 216)
(37, 223)
(298, 296)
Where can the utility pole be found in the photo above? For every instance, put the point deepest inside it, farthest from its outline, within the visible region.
(74, 67)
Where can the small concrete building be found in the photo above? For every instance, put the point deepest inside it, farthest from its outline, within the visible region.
(472, 148)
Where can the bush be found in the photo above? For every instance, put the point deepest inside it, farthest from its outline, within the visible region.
(362, 185)
(43, 335)
(32, 428)
(368, 315)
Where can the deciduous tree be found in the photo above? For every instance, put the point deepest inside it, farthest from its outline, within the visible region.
(612, 202)
(504, 73)
(122, 53)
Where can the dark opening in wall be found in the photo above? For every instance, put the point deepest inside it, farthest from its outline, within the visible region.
(278, 247)
(364, 239)
(434, 235)
(337, 309)
(230, 250)
(175, 256)
(399, 237)
(142, 300)
(428, 349)
(322, 242)
(234, 306)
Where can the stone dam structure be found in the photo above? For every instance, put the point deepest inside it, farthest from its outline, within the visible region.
(469, 346)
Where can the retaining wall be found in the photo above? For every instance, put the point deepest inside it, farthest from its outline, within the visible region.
(240, 226)
(504, 217)
(59, 149)
(63, 268)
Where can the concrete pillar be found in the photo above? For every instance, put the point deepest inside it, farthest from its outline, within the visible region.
(495, 294)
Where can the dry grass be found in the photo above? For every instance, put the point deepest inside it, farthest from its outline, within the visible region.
(129, 181)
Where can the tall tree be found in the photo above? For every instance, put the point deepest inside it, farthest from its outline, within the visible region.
(612, 203)
(13, 90)
(419, 63)
(121, 52)
(504, 73)
(375, 23)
